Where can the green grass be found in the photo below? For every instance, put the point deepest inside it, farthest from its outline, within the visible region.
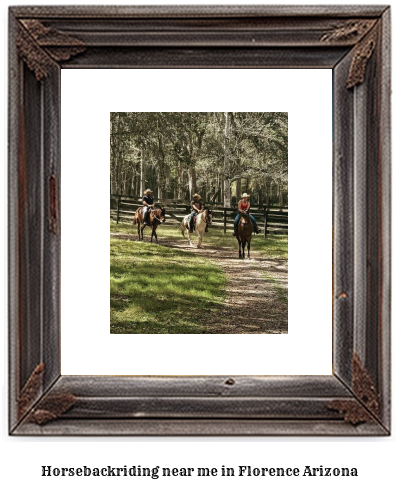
(274, 246)
(159, 290)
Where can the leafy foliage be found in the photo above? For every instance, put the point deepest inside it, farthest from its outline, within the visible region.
(198, 152)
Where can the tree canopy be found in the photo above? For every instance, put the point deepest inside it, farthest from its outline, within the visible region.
(219, 155)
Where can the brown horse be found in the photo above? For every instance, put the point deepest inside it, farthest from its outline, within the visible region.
(244, 235)
(156, 217)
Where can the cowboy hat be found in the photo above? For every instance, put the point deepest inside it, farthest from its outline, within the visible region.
(197, 196)
(245, 195)
(147, 191)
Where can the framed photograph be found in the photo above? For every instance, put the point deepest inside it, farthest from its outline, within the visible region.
(352, 45)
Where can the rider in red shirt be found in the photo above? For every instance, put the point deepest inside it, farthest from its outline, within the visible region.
(244, 206)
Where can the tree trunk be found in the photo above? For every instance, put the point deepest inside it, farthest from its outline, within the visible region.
(238, 189)
(161, 179)
(134, 182)
(267, 195)
(192, 180)
(260, 196)
(117, 183)
(131, 189)
(142, 171)
(138, 182)
(180, 181)
(280, 195)
(215, 196)
(125, 182)
(226, 164)
(247, 186)
(114, 187)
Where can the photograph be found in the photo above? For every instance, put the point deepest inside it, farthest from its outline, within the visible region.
(199, 222)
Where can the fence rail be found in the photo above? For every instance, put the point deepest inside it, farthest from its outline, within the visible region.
(274, 221)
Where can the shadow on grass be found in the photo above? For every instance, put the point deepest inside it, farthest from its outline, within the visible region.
(159, 290)
(273, 246)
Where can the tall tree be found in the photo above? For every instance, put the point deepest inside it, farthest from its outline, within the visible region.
(226, 163)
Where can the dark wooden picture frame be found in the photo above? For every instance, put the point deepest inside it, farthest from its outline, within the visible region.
(352, 41)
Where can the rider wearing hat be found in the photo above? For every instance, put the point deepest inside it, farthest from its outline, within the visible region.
(197, 206)
(148, 203)
(243, 207)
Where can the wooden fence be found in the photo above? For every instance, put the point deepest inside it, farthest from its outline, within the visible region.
(273, 221)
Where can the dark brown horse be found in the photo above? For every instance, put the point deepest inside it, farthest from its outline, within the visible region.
(244, 235)
(155, 218)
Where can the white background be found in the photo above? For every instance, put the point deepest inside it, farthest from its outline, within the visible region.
(375, 458)
(87, 346)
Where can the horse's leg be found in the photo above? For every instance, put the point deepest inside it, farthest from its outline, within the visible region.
(244, 243)
(142, 233)
(189, 237)
(155, 234)
(239, 247)
(249, 248)
(199, 239)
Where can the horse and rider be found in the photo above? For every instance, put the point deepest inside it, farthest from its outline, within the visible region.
(244, 225)
(243, 207)
(148, 204)
(148, 215)
(197, 206)
(198, 219)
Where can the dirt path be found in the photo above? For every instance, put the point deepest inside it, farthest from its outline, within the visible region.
(257, 290)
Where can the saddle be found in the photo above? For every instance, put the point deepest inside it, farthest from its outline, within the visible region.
(189, 222)
(149, 210)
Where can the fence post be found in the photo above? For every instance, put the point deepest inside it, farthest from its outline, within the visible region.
(266, 217)
(117, 209)
(224, 220)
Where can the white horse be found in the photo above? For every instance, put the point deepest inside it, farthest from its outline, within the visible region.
(201, 221)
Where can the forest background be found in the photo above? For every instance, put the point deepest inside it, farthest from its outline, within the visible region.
(217, 154)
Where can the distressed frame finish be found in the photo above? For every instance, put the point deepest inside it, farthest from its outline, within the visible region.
(353, 41)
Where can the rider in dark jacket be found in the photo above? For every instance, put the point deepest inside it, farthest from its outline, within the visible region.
(197, 206)
(148, 203)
